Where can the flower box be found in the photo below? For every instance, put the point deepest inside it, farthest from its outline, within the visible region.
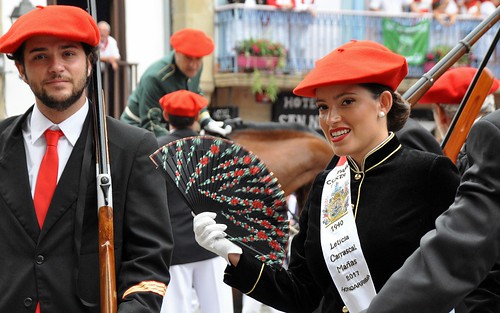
(257, 62)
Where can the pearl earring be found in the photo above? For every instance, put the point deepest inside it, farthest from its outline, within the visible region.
(381, 114)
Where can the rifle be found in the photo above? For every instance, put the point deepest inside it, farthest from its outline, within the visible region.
(107, 275)
(415, 92)
(466, 114)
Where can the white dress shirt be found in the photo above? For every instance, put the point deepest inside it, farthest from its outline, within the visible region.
(35, 143)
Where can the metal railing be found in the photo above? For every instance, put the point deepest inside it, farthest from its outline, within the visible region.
(309, 37)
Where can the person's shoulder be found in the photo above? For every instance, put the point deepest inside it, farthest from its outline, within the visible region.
(493, 117)
(485, 129)
(158, 67)
(422, 159)
(8, 121)
(125, 131)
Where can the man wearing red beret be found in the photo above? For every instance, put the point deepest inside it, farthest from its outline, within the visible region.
(192, 266)
(48, 192)
(446, 95)
(179, 70)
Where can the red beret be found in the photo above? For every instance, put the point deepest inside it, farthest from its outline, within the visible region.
(451, 87)
(63, 21)
(183, 103)
(192, 42)
(355, 62)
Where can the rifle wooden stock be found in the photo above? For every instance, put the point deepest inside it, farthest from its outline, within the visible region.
(107, 260)
(415, 92)
(453, 144)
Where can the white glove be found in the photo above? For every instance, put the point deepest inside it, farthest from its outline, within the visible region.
(217, 127)
(212, 237)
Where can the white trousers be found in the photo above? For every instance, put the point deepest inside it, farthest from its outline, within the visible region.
(250, 305)
(206, 278)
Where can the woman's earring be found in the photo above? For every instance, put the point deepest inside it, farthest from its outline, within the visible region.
(381, 114)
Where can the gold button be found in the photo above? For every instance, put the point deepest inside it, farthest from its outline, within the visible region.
(345, 309)
(357, 176)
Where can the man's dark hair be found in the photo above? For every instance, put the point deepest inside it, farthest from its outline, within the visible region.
(180, 122)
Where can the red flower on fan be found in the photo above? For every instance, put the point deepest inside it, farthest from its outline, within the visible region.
(272, 256)
(234, 201)
(254, 170)
(214, 149)
(275, 245)
(204, 161)
(278, 203)
(247, 160)
(262, 235)
(238, 173)
(269, 212)
(266, 224)
(279, 232)
(266, 179)
(257, 204)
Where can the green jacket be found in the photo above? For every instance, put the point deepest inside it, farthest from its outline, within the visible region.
(162, 77)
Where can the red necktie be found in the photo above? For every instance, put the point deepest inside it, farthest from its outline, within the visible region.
(47, 176)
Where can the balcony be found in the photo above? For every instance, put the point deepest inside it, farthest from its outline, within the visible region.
(308, 38)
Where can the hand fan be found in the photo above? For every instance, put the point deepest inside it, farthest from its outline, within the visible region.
(220, 176)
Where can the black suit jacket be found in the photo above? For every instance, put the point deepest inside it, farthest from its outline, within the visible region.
(59, 265)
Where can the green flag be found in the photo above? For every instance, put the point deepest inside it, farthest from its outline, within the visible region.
(409, 41)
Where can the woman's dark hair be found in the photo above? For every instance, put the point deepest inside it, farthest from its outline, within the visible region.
(18, 56)
(180, 122)
(400, 110)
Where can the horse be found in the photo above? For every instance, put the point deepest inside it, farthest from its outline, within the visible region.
(294, 153)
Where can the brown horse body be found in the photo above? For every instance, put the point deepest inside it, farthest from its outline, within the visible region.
(293, 153)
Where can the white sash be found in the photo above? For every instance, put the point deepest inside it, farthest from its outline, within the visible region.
(340, 243)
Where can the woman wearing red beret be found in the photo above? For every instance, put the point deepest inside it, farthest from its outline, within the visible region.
(367, 211)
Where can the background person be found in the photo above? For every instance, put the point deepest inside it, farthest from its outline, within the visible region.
(192, 266)
(51, 242)
(179, 70)
(447, 93)
(396, 193)
(109, 52)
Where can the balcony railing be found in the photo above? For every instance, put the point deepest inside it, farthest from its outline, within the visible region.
(309, 37)
(118, 85)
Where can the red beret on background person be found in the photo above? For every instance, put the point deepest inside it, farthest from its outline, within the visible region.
(192, 42)
(451, 87)
(447, 93)
(46, 21)
(183, 103)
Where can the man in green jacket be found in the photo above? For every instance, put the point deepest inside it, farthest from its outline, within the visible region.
(179, 70)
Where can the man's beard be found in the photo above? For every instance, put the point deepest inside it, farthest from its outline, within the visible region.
(62, 104)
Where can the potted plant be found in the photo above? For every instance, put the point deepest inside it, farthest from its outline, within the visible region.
(264, 94)
(260, 54)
